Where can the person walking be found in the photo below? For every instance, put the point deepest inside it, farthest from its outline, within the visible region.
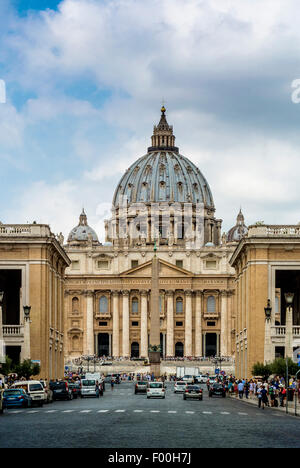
(264, 397)
(247, 389)
(241, 389)
(112, 383)
(259, 396)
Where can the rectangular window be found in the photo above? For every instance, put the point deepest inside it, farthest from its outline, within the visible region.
(102, 264)
(179, 324)
(211, 324)
(179, 263)
(211, 264)
(134, 324)
(102, 324)
(75, 265)
(134, 263)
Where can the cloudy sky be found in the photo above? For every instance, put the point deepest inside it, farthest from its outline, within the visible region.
(84, 84)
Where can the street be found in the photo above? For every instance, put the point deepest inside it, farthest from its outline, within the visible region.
(121, 419)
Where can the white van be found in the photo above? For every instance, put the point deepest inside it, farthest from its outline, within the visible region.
(156, 390)
(34, 389)
(88, 388)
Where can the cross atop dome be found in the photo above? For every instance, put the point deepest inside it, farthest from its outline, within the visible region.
(163, 138)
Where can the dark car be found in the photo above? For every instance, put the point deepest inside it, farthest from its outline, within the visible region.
(217, 389)
(75, 389)
(140, 387)
(193, 392)
(61, 391)
(16, 397)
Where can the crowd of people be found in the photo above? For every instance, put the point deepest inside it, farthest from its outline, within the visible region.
(271, 393)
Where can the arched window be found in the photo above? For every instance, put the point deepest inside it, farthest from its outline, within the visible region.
(135, 305)
(103, 305)
(211, 304)
(75, 305)
(179, 305)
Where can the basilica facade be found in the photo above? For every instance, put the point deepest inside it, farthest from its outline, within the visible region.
(162, 206)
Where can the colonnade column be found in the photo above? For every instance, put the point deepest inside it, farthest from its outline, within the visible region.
(89, 322)
(144, 324)
(170, 323)
(125, 337)
(224, 324)
(116, 325)
(198, 324)
(188, 324)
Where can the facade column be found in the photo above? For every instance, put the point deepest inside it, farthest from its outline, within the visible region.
(198, 324)
(188, 324)
(224, 324)
(90, 323)
(125, 340)
(170, 324)
(116, 325)
(144, 324)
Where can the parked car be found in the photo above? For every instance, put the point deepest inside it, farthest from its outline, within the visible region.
(179, 386)
(48, 392)
(194, 392)
(15, 397)
(61, 391)
(75, 389)
(140, 387)
(1, 402)
(217, 389)
(89, 388)
(156, 390)
(34, 389)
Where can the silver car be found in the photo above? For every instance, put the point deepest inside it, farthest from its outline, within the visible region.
(179, 386)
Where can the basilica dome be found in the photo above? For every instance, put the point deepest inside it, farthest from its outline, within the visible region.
(163, 175)
(82, 232)
(240, 230)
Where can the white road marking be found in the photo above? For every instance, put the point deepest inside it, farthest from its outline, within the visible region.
(138, 411)
(86, 411)
(120, 411)
(206, 412)
(172, 412)
(154, 411)
(103, 411)
(224, 412)
(32, 412)
(69, 411)
(190, 412)
(52, 411)
(243, 414)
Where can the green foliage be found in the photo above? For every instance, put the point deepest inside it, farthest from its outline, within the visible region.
(7, 368)
(279, 367)
(260, 369)
(27, 369)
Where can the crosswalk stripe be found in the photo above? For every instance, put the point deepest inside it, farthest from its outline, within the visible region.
(224, 412)
(120, 411)
(190, 412)
(103, 411)
(85, 411)
(206, 412)
(138, 411)
(52, 411)
(243, 414)
(154, 411)
(69, 411)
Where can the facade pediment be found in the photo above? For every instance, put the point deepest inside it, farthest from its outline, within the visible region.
(166, 270)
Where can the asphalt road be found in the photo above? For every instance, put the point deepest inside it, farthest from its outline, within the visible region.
(121, 419)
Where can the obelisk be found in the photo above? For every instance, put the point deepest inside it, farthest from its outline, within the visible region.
(154, 353)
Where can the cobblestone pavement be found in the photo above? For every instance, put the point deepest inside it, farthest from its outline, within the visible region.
(121, 419)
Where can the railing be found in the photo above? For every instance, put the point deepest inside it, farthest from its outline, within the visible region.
(13, 330)
(21, 230)
(274, 231)
(279, 330)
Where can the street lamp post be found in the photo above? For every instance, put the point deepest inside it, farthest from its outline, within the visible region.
(27, 351)
(289, 299)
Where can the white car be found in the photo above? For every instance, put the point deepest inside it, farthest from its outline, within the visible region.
(179, 386)
(188, 379)
(156, 390)
(34, 389)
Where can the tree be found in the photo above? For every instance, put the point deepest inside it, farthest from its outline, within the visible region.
(279, 367)
(7, 367)
(27, 369)
(263, 370)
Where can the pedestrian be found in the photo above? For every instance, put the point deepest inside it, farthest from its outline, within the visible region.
(241, 389)
(247, 389)
(112, 383)
(272, 394)
(264, 397)
(259, 396)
